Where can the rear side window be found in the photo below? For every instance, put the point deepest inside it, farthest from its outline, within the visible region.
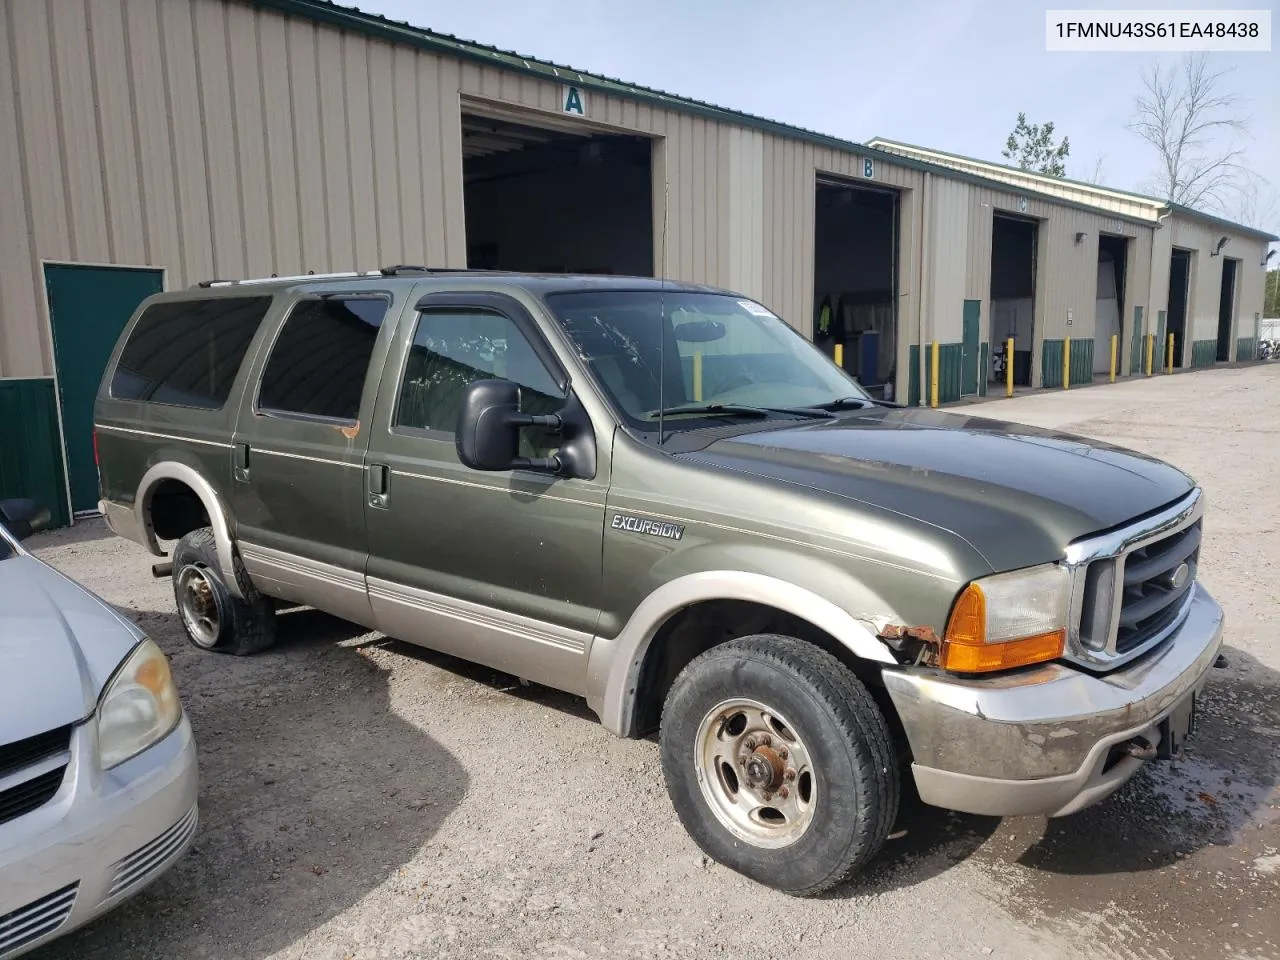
(188, 352)
(319, 363)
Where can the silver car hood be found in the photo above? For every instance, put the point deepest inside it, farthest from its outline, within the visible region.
(59, 645)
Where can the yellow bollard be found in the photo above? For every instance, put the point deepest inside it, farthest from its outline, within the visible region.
(933, 378)
(1151, 342)
(1168, 365)
(1066, 363)
(1008, 368)
(839, 355)
(697, 375)
(1115, 342)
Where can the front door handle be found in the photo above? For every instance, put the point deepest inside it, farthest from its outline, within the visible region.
(379, 485)
(240, 452)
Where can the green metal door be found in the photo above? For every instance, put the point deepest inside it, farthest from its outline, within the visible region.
(969, 348)
(88, 307)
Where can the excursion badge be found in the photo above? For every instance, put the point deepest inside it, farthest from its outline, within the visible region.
(652, 528)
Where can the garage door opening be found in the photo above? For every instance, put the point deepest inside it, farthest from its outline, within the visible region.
(1109, 310)
(556, 201)
(1226, 309)
(1179, 290)
(855, 278)
(1013, 296)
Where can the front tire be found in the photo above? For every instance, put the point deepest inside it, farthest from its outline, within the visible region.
(211, 617)
(779, 763)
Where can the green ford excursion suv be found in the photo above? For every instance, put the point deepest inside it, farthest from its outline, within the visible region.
(660, 497)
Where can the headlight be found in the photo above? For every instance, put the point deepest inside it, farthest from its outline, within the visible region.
(1008, 620)
(139, 706)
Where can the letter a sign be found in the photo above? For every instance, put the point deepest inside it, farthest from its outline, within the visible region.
(574, 101)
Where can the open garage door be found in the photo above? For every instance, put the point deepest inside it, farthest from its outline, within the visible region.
(1013, 295)
(564, 200)
(855, 278)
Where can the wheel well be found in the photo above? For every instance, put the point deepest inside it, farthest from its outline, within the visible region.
(176, 510)
(697, 628)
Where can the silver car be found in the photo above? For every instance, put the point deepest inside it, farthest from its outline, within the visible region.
(97, 762)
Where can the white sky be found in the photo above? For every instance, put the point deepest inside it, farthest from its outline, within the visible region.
(951, 75)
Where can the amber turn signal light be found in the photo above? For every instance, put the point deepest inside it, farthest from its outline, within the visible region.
(965, 648)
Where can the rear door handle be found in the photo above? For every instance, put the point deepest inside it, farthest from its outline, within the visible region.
(379, 485)
(240, 453)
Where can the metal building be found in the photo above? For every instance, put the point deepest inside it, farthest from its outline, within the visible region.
(155, 145)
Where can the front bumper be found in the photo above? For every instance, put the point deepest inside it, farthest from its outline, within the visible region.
(1040, 741)
(100, 839)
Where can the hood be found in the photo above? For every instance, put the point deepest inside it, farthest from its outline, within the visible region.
(59, 644)
(1017, 494)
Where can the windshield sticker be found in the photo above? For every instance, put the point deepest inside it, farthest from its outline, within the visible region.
(754, 308)
(654, 528)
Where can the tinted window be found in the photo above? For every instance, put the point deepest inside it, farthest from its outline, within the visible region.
(321, 358)
(187, 352)
(451, 349)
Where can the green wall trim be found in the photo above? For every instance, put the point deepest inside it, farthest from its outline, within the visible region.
(982, 369)
(31, 446)
(1162, 342)
(913, 375)
(971, 373)
(1051, 364)
(950, 372)
(1204, 353)
(1247, 348)
(1081, 361)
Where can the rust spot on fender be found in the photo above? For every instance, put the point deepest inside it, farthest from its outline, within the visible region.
(921, 643)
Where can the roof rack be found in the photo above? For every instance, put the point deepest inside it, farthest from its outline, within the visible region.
(398, 270)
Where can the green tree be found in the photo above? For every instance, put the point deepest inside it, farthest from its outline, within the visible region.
(1031, 146)
(1271, 302)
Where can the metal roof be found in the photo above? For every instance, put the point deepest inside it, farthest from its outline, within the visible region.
(403, 32)
(1005, 173)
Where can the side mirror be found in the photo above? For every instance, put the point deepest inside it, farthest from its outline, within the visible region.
(22, 518)
(488, 434)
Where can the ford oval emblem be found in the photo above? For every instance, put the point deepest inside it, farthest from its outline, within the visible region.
(1179, 577)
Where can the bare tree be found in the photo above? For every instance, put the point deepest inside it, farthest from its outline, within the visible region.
(1192, 123)
(1254, 202)
(1096, 173)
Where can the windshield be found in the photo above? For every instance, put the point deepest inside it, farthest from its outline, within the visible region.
(654, 350)
(6, 551)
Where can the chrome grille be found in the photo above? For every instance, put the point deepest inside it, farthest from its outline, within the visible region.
(1130, 590)
(143, 862)
(1151, 600)
(37, 919)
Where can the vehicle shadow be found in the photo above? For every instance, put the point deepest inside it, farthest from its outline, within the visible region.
(1170, 810)
(1228, 775)
(496, 680)
(313, 794)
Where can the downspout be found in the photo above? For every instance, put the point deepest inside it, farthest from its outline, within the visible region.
(922, 353)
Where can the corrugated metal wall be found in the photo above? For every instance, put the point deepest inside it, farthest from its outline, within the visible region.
(1206, 278)
(1067, 271)
(232, 142)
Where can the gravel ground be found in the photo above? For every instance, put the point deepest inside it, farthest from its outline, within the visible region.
(362, 798)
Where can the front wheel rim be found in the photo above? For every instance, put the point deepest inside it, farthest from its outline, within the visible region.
(755, 773)
(199, 606)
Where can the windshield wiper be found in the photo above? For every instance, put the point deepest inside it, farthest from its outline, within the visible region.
(739, 410)
(846, 403)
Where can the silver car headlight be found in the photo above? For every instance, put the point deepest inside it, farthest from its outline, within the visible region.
(139, 706)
